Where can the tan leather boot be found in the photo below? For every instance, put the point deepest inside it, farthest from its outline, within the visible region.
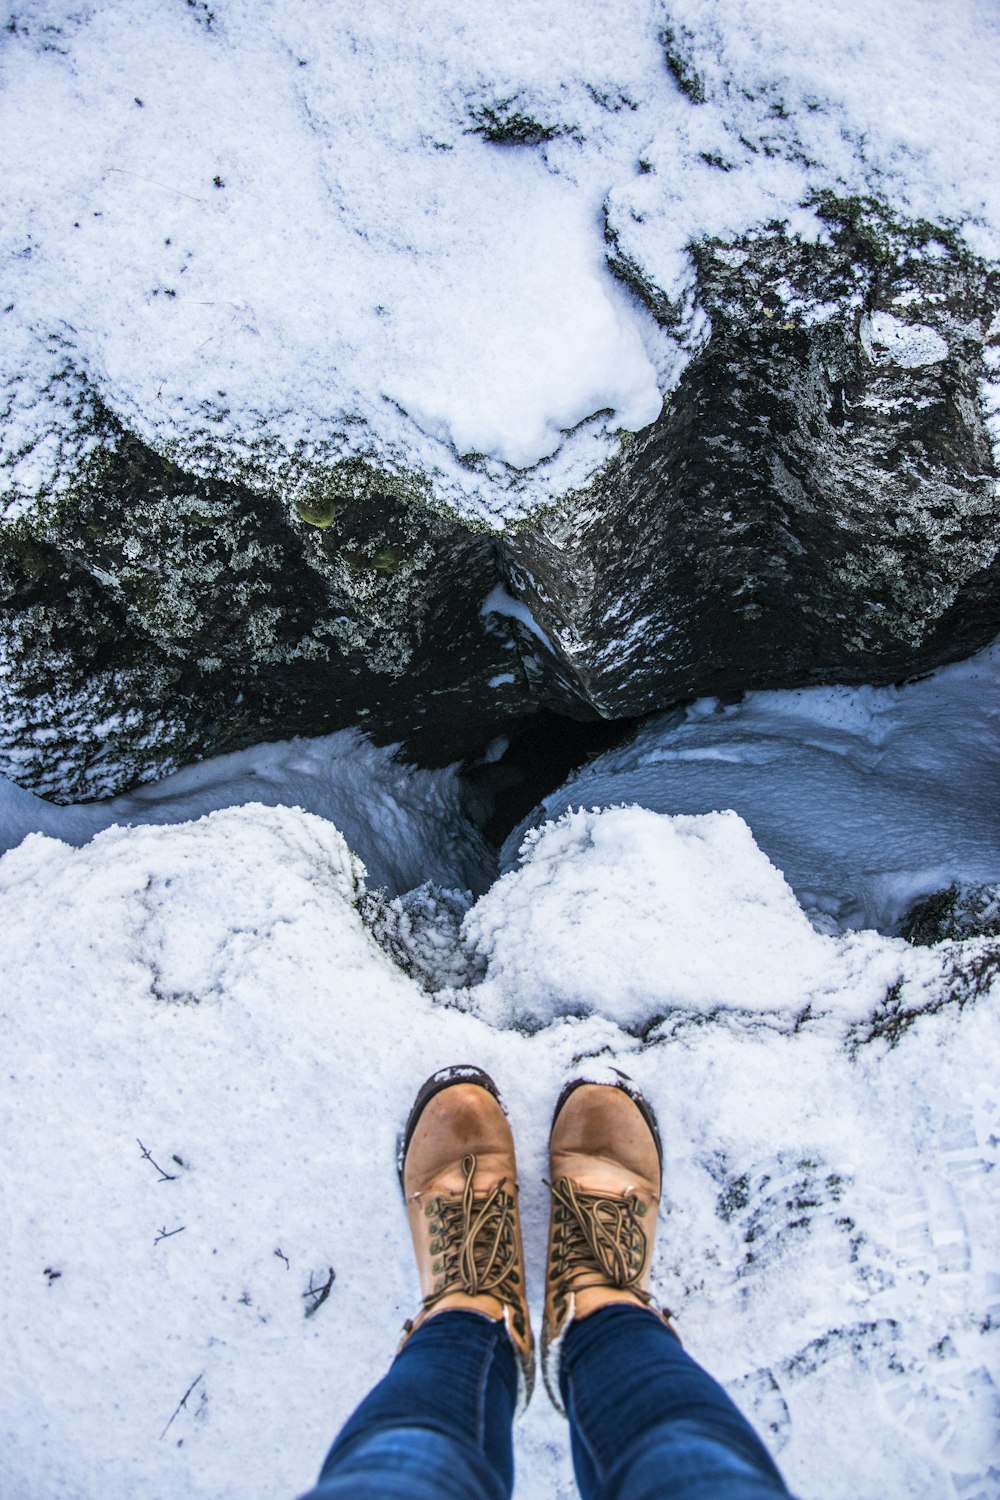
(605, 1161)
(459, 1177)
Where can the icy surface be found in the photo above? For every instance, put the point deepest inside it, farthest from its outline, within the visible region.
(866, 798)
(380, 229)
(207, 994)
(406, 824)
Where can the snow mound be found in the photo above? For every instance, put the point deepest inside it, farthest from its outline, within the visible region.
(180, 922)
(636, 916)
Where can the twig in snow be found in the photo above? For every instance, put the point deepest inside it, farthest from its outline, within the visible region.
(167, 1234)
(182, 1402)
(282, 1256)
(124, 172)
(174, 368)
(319, 1292)
(164, 1176)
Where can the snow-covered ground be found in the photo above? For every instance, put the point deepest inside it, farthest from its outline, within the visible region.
(178, 186)
(208, 993)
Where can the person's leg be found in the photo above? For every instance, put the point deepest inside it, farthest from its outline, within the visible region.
(647, 1422)
(438, 1427)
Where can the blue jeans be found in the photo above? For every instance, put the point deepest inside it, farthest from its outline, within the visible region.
(646, 1421)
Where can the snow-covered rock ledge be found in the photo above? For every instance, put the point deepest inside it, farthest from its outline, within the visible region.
(676, 325)
(207, 1057)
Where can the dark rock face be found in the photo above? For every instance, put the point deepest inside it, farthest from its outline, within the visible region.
(816, 503)
(806, 509)
(153, 618)
(961, 911)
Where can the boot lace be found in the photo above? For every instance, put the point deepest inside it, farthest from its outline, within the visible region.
(597, 1241)
(474, 1245)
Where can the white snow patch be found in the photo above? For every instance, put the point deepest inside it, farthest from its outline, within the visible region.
(633, 915)
(888, 339)
(499, 602)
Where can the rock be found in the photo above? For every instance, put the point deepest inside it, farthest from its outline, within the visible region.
(814, 504)
(151, 617)
(961, 911)
(817, 501)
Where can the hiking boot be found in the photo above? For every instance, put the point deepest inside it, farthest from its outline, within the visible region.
(606, 1165)
(459, 1179)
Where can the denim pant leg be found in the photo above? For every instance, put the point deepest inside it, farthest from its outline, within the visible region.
(438, 1426)
(648, 1423)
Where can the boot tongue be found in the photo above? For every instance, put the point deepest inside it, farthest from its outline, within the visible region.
(601, 1175)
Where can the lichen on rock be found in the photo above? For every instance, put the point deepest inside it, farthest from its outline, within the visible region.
(958, 912)
(151, 617)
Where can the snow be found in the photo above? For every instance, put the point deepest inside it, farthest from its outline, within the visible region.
(910, 345)
(406, 824)
(707, 921)
(216, 990)
(207, 993)
(865, 798)
(262, 233)
(499, 602)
